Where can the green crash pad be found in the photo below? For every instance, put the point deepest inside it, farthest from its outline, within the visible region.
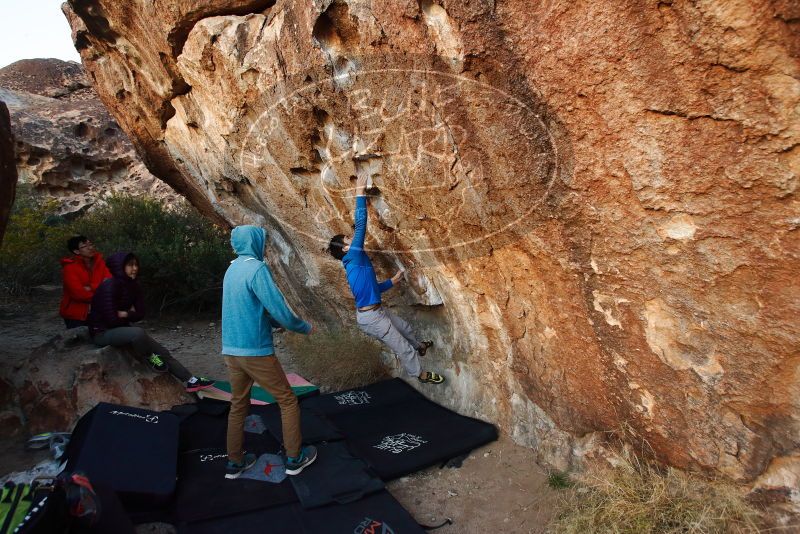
(221, 390)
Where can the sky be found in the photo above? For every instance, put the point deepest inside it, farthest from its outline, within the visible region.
(36, 28)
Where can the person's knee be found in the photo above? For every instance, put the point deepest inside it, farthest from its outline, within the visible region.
(138, 334)
(409, 354)
(287, 399)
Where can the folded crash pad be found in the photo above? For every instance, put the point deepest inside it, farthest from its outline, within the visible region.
(221, 390)
(131, 450)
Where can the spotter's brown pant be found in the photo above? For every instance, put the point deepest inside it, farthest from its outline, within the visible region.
(268, 373)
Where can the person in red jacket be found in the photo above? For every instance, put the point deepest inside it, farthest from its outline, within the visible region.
(82, 272)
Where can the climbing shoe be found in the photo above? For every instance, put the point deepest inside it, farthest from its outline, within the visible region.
(196, 384)
(431, 378)
(307, 456)
(156, 363)
(423, 347)
(234, 469)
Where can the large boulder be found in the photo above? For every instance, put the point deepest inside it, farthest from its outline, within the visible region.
(595, 202)
(66, 377)
(68, 146)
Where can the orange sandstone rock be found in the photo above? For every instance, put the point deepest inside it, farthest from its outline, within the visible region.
(595, 202)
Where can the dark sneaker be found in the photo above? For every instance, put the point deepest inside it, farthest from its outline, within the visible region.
(431, 378)
(307, 456)
(233, 470)
(196, 384)
(424, 346)
(157, 364)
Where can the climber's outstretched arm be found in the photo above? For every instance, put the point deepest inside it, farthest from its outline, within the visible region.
(360, 215)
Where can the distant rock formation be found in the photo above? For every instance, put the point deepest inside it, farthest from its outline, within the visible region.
(8, 169)
(67, 145)
(596, 202)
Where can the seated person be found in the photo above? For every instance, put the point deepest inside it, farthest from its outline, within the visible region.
(82, 274)
(118, 302)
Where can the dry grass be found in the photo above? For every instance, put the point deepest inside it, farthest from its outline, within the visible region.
(638, 497)
(337, 360)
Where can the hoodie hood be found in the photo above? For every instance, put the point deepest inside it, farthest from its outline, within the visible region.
(116, 264)
(249, 241)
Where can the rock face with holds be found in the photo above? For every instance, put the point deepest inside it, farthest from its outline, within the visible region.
(595, 203)
(68, 147)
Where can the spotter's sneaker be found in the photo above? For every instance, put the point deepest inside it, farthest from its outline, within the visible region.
(307, 456)
(196, 384)
(157, 364)
(233, 470)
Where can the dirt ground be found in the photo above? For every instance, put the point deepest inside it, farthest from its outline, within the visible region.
(499, 486)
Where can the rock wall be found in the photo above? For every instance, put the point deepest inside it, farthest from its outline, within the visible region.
(595, 202)
(68, 146)
(8, 169)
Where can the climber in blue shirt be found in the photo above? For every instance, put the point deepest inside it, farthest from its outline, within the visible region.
(374, 319)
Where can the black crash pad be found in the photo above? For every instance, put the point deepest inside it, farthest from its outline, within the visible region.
(203, 491)
(130, 450)
(314, 426)
(379, 513)
(207, 428)
(362, 399)
(397, 431)
(335, 477)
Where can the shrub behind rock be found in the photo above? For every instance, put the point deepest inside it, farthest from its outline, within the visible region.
(183, 256)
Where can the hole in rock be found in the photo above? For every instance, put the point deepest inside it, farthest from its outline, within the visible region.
(335, 30)
(82, 130)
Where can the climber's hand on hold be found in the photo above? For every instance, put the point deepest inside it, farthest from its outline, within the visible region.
(361, 185)
(398, 277)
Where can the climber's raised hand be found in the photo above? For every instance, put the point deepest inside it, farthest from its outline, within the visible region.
(398, 277)
(361, 185)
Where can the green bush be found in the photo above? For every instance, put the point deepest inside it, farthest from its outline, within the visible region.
(32, 245)
(183, 257)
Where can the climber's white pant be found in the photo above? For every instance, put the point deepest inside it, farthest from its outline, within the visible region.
(395, 333)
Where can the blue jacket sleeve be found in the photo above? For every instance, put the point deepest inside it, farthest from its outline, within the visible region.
(385, 285)
(272, 299)
(361, 223)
